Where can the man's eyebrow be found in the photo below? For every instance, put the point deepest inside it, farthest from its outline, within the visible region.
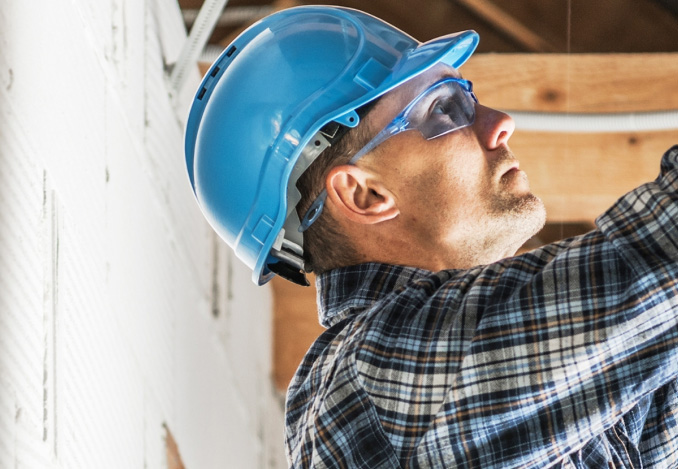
(451, 74)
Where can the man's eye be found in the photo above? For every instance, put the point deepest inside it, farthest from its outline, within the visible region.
(442, 107)
(439, 108)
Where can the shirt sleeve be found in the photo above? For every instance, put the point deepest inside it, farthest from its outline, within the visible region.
(568, 339)
(642, 224)
(659, 439)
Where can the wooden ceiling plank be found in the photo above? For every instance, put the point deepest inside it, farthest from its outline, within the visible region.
(575, 82)
(578, 176)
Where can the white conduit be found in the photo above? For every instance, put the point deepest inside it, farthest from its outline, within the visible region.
(595, 123)
(200, 32)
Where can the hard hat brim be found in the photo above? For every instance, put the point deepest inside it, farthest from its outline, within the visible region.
(453, 50)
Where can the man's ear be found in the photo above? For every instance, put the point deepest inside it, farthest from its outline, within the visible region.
(359, 195)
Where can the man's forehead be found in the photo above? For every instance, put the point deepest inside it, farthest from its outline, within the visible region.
(422, 81)
(438, 72)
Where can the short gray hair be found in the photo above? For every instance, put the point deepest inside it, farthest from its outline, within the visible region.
(325, 246)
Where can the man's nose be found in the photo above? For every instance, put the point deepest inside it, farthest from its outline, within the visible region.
(494, 128)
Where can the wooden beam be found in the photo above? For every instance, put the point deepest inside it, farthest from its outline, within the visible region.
(575, 82)
(508, 25)
(295, 327)
(579, 176)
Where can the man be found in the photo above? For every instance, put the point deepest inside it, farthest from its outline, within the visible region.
(370, 161)
(458, 200)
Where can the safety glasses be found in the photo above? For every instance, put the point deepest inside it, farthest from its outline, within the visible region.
(444, 107)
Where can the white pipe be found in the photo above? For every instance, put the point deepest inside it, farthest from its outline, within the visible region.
(200, 33)
(595, 123)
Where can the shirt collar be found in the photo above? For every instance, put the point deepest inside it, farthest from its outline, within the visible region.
(349, 290)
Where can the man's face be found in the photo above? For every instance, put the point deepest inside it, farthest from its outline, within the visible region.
(462, 192)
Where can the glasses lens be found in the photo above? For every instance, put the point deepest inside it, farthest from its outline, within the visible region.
(445, 107)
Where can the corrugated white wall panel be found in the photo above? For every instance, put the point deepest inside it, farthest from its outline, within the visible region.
(121, 315)
(24, 309)
(99, 381)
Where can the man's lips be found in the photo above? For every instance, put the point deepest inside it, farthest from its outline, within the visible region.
(505, 164)
(510, 167)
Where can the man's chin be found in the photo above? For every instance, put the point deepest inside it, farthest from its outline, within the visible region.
(532, 214)
(524, 215)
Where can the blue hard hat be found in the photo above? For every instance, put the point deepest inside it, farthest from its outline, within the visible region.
(254, 125)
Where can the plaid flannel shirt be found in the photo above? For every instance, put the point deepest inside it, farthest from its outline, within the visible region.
(565, 356)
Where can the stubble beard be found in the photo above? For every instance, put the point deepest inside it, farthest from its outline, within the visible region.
(509, 219)
(516, 216)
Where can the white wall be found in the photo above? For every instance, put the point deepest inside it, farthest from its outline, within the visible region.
(120, 314)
